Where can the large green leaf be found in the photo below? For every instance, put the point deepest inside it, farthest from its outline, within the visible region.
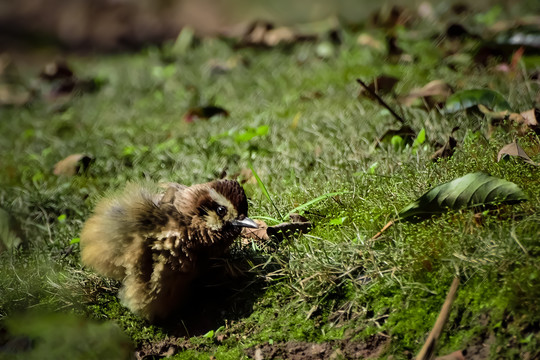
(466, 99)
(473, 189)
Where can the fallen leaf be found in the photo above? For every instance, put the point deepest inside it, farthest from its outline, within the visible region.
(530, 119)
(256, 234)
(466, 99)
(14, 95)
(368, 40)
(204, 112)
(513, 149)
(474, 189)
(72, 165)
(279, 35)
(522, 122)
(245, 176)
(264, 34)
(433, 94)
(426, 11)
(298, 224)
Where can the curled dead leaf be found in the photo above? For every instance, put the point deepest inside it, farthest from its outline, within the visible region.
(433, 94)
(14, 95)
(368, 40)
(72, 165)
(245, 176)
(522, 123)
(265, 34)
(255, 234)
(265, 233)
(530, 119)
(513, 149)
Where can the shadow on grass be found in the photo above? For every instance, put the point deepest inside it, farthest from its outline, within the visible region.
(224, 293)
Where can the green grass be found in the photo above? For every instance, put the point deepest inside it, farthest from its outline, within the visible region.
(333, 283)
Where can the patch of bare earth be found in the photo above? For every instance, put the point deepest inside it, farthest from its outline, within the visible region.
(298, 350)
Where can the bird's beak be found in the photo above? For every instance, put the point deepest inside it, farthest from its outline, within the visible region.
(245, 222)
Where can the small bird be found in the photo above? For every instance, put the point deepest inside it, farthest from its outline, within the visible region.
(157, 243)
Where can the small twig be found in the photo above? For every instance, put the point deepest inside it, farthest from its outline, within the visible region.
(381, 101)
(390, 223)
(428, 350)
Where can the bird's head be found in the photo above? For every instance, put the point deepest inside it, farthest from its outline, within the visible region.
(218, 209)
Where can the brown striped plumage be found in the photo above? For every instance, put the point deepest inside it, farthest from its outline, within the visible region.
(156, 243)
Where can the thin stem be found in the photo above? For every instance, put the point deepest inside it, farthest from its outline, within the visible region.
(381, 101)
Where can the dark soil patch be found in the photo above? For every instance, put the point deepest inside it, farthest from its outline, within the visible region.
(297, 350)
(162, 349)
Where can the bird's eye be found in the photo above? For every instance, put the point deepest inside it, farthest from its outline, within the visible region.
(221, 211)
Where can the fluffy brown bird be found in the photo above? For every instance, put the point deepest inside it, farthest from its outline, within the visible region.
(157, 243)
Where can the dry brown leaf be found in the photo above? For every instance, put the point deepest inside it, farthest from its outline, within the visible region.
(13, 95)
(264, 233)
(245, 176)
(368, 40)
(513, 149)
(255, 234)
(522, 122)
(262, 33)
(72, 165)
(497, 115)
(279, 35)
(530, 118)
(433, 94)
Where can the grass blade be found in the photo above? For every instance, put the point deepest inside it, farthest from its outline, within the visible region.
(263, 188)
(316, 200)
